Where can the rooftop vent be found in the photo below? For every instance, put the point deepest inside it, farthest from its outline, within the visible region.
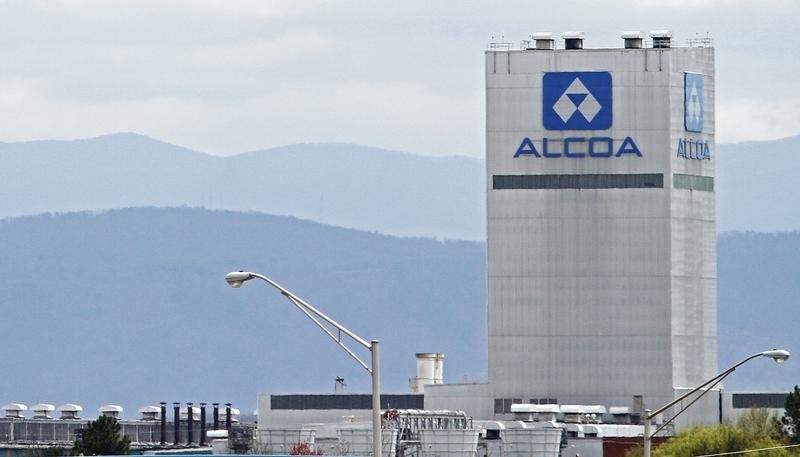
(531, 412)
(150, 413)
(70, 411)
(43, 411)
(633, 39)
(661, 38)
(110, 411)
(573, 414)
(15, 410)
(619, 410)
(594, 413)
(573, 40)
(595, 409)
(543, 40)
(195, 413)
(620, 414)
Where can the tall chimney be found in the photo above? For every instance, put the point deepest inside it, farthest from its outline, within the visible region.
(189, 423)
(227, 416)
(176, 409)
(202, 424)
(216, 415)
(163, 423)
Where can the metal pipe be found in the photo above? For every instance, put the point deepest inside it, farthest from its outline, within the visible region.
(779, 355)
(189, 423)
(647, 419)
(237, 278)
(202, 424)
(176, 408)
(228, 416)
(215, 413)
(376, 398)
(163, 423)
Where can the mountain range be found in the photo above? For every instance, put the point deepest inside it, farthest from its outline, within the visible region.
(130, 306)
(338, 184)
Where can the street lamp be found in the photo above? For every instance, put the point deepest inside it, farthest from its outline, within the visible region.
(778, 355)
(236, 278)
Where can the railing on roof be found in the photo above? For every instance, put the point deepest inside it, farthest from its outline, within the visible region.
(705, 42)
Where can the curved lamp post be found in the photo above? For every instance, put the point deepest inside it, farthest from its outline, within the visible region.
(236, 278)
(778, 355)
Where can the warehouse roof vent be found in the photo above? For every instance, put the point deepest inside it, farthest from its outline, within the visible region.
(661, 38)
(15, 410)
(633, 39)
(43, 411)
(110, 411)
(573, 40)
(150, 413)
(70, 411)
(543, 40)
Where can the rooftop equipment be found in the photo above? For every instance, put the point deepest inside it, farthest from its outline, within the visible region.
(661, 38)
(15, 410)
(633, 39)
(150, 413)
(573, 414)
(235, 415)
(70, 411)
(594, 413)
(573, 40)
(430, 370)
(110, 411)
(620, 414)
(543, 40)
(546, 413)
(185, 413)
(43, 411)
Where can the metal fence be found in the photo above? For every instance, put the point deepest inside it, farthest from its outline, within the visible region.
(526, 442)
(449, 443)
(52, 431)
(280, 441)
(358, 442)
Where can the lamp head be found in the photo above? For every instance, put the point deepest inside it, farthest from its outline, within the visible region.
(235, 279)
(779, 355)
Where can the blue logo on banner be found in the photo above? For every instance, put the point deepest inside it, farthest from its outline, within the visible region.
(693, 102)
(577, 100)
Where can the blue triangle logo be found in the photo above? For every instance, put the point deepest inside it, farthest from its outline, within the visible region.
(577, 99)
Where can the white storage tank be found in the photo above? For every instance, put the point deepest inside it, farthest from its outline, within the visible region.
(430, 370)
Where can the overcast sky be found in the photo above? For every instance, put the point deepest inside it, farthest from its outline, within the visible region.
(230, 76)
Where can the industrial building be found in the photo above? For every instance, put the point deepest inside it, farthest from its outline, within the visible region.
(600, 226)
(601, 246)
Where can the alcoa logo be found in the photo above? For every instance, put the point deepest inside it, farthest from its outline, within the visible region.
(693, 102)
(577, 101)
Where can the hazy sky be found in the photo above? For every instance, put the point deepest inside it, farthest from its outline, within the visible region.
(230, 76)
